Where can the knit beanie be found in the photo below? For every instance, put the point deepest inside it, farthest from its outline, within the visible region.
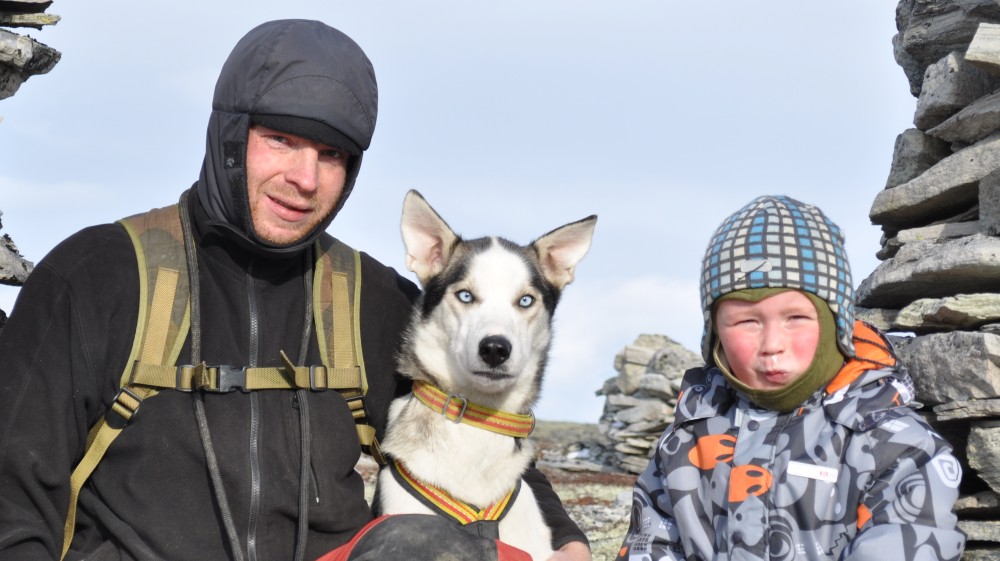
(779, 242)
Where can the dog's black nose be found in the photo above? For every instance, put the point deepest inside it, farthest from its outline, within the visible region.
(494, 350)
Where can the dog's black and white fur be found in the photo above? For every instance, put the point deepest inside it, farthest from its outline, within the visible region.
(481, 331)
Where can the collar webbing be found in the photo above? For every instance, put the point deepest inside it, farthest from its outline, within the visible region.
(458, 409)
(440, 500)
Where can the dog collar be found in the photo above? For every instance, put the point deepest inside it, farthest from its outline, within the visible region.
(460, 410)
(441, 501)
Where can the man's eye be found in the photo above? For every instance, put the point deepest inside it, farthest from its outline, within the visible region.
(464, 296)
(334, 154)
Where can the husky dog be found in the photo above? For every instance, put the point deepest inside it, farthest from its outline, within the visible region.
(476, 349)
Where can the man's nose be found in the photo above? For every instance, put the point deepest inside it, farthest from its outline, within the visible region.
(303, 169)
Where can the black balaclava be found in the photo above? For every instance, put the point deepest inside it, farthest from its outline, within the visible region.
(296, 76)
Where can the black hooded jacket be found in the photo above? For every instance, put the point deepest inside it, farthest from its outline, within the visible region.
(151, 498)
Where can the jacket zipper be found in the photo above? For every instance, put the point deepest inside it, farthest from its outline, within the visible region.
(313, 479)
(254, 423)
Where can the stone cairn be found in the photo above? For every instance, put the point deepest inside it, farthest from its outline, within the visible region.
(639, 401)
(14, 268)
(937, 289)
(22, 57)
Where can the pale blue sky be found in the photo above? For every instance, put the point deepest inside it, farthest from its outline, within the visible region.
(511, 118)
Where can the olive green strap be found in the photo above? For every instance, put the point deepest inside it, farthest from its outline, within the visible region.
(223, 379)
(337, 310)
(128, 400)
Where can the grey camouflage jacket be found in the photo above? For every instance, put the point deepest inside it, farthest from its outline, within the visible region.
(853, 474)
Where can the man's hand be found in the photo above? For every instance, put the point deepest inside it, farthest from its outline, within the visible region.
(573, 551)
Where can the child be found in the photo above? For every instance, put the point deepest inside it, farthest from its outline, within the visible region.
(797, 440)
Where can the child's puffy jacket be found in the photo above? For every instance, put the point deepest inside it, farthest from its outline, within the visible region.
(854, 474)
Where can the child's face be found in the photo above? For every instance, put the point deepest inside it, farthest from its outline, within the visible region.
(771, 342)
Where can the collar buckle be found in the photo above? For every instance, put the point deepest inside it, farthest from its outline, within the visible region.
(447, 406)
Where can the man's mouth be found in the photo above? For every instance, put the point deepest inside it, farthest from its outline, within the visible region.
(289, 211)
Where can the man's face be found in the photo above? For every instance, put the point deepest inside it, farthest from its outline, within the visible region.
(293, 183)
(769, 343)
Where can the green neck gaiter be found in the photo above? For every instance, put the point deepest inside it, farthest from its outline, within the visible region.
(825, 365)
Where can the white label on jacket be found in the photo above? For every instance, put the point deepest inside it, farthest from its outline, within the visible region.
(822, 473)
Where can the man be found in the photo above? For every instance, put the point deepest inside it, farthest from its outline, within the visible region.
(798, 439)
(215, 474)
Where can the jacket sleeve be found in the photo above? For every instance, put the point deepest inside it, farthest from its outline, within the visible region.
(564, 530)
(906, 510)
(652, 532)
(658, 505)
(49, 390)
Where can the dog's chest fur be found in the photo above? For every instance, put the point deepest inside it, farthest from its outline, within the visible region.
(471, 464)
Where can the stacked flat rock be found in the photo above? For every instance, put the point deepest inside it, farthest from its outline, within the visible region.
(14, 268)
(640, 399)
(938, 286)
(22, 57)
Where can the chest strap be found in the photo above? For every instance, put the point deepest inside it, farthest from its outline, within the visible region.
(442, 502)
(460, 410)
(224, 379)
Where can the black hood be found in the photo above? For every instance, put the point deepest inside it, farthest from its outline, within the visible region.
(290, 71)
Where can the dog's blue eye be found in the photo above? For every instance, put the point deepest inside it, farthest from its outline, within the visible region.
(464, 296)
(526, 301)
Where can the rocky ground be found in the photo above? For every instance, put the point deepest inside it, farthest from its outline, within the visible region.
(575, 459)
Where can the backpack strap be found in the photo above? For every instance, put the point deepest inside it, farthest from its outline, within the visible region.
(224, 379)
(339, 333)
(161, 327)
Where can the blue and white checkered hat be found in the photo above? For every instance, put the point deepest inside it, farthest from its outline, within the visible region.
(778, 242)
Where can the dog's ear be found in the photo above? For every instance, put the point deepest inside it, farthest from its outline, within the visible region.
(427, 237)
(560, 250)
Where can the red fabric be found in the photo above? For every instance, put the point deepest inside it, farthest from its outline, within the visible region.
(343, 553)
(506, 552)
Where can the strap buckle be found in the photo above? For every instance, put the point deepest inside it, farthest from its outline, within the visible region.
(324, 384)
(231, 378)
(123, 409)
(186, 376)
(447, 405)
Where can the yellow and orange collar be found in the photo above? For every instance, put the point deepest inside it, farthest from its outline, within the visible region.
(460, 410)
